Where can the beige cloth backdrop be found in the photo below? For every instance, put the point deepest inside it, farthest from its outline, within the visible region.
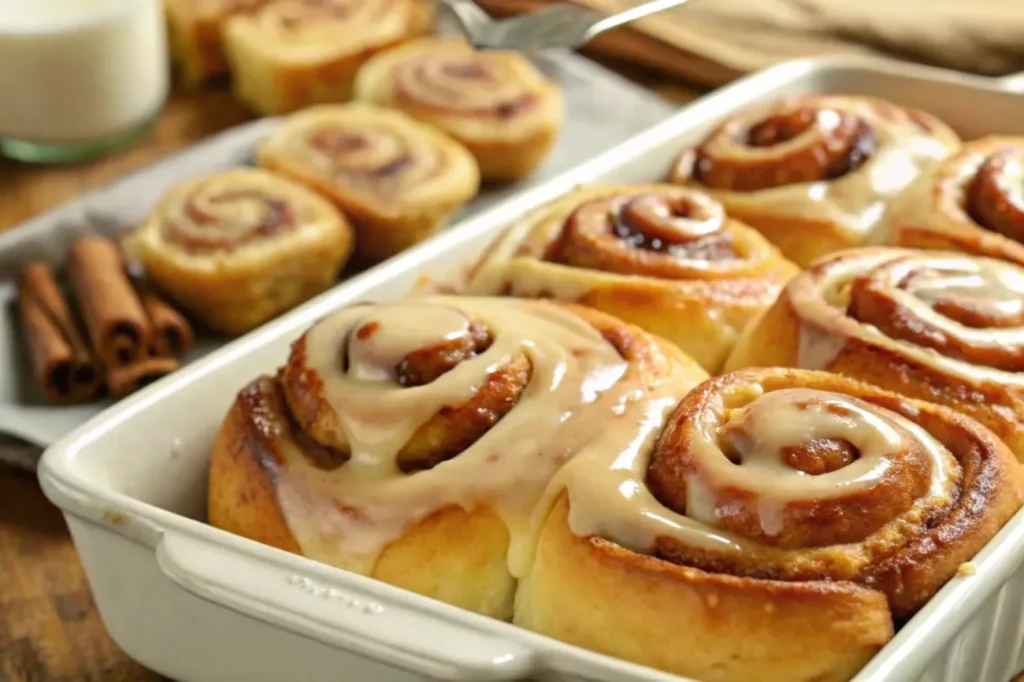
(712, 41)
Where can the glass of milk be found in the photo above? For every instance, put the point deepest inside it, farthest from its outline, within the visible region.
(79, 78)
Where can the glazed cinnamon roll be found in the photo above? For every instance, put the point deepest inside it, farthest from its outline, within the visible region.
(815, 173)
(240, 247)
(662, 257)
(971, 202)
(194, 35)
(777, 529)
(497, 104)
(410, 441)
(932, 325)
(397, 179)
(288, 54)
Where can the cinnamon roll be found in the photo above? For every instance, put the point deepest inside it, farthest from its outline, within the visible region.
(497, 104)
(663, 257)
(932, 325)
(240, 247)
(815, 173)
(194, 35)
(397, 179)
(410, 441)
(971, 202)
(289, 54)
(778, 528)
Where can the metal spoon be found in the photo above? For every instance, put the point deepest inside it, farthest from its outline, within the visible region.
(562, 26)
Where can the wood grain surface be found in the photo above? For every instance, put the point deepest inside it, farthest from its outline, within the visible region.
(49, 628)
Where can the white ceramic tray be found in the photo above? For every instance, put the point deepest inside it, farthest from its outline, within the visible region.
(199, 605)
(602, 110)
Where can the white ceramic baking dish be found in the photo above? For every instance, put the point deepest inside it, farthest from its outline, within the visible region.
(198, 604)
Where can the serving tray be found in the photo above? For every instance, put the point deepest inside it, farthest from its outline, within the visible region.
(132, 482)
(601, 110)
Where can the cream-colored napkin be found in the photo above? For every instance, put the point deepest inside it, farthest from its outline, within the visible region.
(715, 40)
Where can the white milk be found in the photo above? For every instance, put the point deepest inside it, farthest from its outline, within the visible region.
(76, 71)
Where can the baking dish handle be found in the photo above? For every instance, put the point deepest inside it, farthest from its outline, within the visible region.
(376, 627)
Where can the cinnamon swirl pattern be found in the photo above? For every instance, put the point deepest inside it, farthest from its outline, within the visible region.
(289, 54)
(971, 202)
(497, 104)
(410, 441)
(932, 325)
(240, 247)
(397, 179)
(780, 525)
(662, 257)
(814, 174)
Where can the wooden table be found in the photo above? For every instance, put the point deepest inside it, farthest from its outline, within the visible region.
(49, 628)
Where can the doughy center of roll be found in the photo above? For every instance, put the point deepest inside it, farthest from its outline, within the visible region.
(657, 224)
(660, 235)
(370, 155)
(789, 145)
(463, 82)
(380, 344)
(213, 218)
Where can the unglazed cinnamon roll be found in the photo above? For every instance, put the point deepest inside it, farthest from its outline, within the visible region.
(815, 173)
(971, 202)
(932, 325)
(194, 34)
(663, 257)
(289, 54)
(410, 441)
(776, 530)
(240, 247)
(495, 103)
(396, 178)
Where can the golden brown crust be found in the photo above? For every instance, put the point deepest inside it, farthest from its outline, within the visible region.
(453, 555)
(237, 248)
(396, 179)
(194, 35)
(283, 426)
(804, 170)
(812, 592)
(803, 330)
(289, 54)
(595, 594)
(969, 203)
(496, 104)
(244, 464)
(695, 278)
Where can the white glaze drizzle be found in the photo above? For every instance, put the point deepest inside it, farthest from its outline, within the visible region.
(855, 201)
(579, 384)
(825, 329)
(608, 497)
(585, 424)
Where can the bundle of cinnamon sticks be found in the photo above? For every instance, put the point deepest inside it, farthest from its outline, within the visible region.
(131, 336)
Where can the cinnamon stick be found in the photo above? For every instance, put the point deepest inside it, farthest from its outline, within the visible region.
(126, 379)
(62, 362)
(114, 317)
(172, 334)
